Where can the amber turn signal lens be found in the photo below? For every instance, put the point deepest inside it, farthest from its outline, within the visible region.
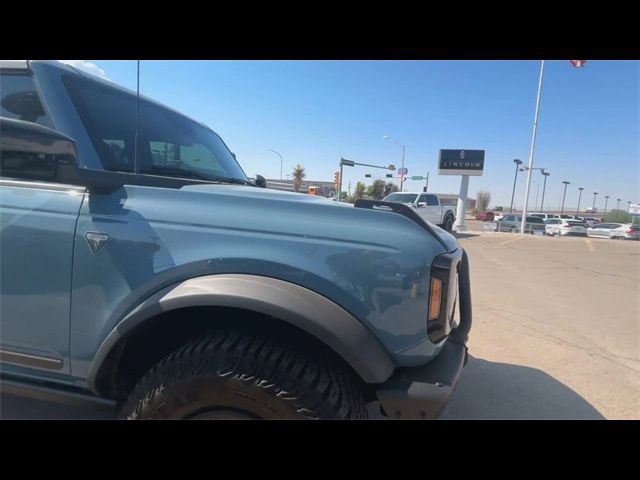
(435, 298)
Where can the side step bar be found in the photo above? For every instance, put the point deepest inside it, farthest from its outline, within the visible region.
(45, 392)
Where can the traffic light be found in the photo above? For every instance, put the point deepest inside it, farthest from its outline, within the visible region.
(389, 175)
(367, 175)
(336, 179)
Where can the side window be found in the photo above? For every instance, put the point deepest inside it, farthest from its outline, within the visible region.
(168, 142)
(423, 199)
(20, 100)
(432, 201)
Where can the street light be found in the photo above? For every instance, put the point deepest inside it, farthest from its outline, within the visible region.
(579, 197)
(542, 169)
(280, 162)
(544, 186)
(515, 179)
(606, 200)
(617, 209)
(387, 137)
(564, 196)
(593, 208)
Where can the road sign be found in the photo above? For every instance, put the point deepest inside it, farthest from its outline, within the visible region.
(634, 209)
(417, 177)
(348, 163)
(402, 171)
(461, 162)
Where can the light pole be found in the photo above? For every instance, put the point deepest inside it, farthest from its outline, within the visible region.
(544, 186)
(388, 137)
(515, 179)
(280, 162)
(617, 209)
(593, 208)
(531, 152)
(606, 200)
(564, 196)
(523, 169)
(579, 197)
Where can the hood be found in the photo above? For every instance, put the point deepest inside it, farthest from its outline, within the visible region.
(296, 210)
(274, 213)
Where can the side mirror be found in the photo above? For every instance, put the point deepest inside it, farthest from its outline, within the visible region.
(32, 152)
(421, 204)
(261, 181)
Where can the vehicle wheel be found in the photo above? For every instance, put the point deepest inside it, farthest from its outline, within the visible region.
(513, 230)
(233, 375)
(448, 223)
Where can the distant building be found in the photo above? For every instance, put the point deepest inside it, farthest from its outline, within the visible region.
(326, 189)
(451, 200)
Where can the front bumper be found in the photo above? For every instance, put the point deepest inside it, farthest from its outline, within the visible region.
(423, 392)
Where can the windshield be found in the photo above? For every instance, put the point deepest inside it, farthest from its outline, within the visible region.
(401, 197)
(169, 144)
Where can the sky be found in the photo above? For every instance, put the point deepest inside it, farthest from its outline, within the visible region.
(315, 112)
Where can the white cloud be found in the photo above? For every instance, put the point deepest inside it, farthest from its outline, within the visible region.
(87, 67)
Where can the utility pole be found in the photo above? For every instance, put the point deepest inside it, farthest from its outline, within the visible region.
(544, 187)
(564, 196)
(579, 197)
(426, 185)
(593, 208)
(606, 200)
(518, 163)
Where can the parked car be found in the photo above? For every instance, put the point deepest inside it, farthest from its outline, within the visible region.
(559, 226)
(428, 206)
(544, 216)
(512, 223)
(143, 271)
(625, 231)
(485, 216)
(592, 221)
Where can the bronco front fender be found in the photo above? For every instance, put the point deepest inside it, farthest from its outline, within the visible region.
(299, 306)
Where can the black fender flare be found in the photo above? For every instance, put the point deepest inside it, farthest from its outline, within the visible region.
(311, 312)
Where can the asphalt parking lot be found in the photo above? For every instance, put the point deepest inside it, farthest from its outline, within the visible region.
(556, 333)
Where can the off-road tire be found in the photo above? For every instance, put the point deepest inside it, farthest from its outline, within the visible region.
(229, 372)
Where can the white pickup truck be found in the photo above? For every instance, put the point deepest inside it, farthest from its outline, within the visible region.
(428, 206)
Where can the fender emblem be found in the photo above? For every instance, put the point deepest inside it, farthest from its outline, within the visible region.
(96, 241)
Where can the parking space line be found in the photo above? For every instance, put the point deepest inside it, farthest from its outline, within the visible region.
(589, 245)
(512, 240)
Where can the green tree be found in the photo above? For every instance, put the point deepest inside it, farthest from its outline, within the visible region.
(483, 198)
(297, 176)
(619, 216)
(376, 190)
(389, 188)
(360, 191)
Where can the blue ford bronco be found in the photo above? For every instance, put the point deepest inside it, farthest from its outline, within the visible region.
(143, 272)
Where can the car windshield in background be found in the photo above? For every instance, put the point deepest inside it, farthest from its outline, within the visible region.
(169, 144)
(401, 197)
